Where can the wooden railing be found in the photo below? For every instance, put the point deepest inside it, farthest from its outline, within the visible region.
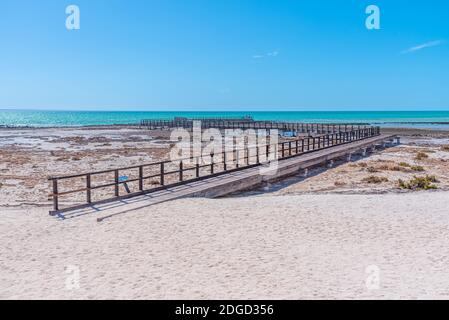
(301, 127)
(168, 173)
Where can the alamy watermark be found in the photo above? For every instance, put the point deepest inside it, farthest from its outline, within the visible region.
(228, 147)
(372, 281)
(72, 280)
(73, 21)
(372, 22)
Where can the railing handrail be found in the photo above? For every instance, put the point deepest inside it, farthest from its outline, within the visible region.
(279, 123)
(336, 138)
(180, 159)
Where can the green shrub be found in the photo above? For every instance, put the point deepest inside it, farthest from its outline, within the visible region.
(417, 168)
(404, 164)
(419, 183)
(375, 180)
(390, 167)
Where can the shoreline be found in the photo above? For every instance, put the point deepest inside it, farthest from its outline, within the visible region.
(399, 129)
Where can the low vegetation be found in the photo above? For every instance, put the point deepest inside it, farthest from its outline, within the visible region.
(371, 169)
(445, 148)
(421, 156)
(417, 168)
(390, 167)
(419, 183)
(375, 180)
(401, 166)
(363, 164)
(404, 164)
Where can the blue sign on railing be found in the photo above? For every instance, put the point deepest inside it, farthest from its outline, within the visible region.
(123, 178)
(289, 134)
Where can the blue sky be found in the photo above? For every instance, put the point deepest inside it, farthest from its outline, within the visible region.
(224, 55)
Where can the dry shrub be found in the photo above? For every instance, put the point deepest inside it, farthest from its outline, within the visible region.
(421, 156)
(371, 169)
(375, 180)
(384, 167)
(363, 164)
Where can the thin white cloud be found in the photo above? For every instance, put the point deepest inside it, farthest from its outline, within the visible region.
(267, 55)
(424, 46)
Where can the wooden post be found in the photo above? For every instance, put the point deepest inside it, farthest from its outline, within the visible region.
(181, 176)
(141, 178)
(224, 161)
(88, 191)
(257, 155)
(197, 167)
(55, 195)
(162, 174)
(116, 191)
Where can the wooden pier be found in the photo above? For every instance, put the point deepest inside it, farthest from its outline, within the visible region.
(224, 173)
(245, 124)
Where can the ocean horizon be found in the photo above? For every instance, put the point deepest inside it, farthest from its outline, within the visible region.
(49, 118)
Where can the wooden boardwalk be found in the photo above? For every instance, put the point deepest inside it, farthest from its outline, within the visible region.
(298, 127)
(227, 183)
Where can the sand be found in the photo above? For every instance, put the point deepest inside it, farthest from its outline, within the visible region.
(259, 247)
(29, 156)
(318, 237)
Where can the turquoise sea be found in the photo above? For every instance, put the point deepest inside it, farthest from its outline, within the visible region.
(33, 118)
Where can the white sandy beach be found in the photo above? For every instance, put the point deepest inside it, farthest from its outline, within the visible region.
(260, 247)
(303, 238)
